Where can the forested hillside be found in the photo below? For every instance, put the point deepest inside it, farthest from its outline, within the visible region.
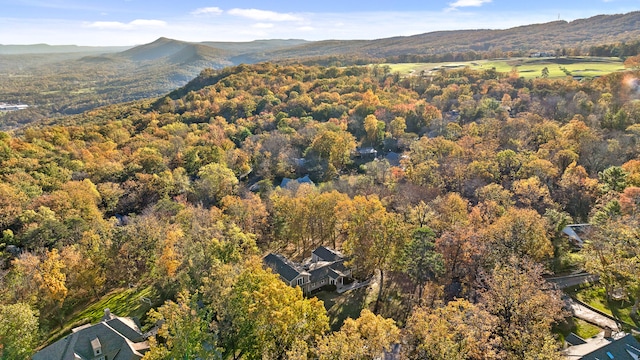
(55, 84)
(459, 215)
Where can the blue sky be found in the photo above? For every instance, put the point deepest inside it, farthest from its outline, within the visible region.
(131, 22)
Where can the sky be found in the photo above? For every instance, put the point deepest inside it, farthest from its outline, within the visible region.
(134, 22)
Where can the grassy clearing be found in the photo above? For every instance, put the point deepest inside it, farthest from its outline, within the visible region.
(528, 68)
(595, 297)
(584, 329)
(121, 302)
(342, 306)
(579, 327)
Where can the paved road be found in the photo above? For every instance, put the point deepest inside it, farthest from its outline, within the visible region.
(590, 316)
(354, 285)
(573, 280)
(578, 310)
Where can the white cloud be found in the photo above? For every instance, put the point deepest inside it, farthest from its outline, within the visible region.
(468, 3)
(264, 15)
(135, 24)
(151, 23)
(214, 10)
(305, 28)
(262, 26)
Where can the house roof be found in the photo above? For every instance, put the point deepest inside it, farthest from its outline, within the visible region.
(322, 269)
(79, 345)
(573, 339)
(283, 267)
(302, 180)
(570, 231)
(626, 348)
(327, 254)
(393, 158)
(366, 151)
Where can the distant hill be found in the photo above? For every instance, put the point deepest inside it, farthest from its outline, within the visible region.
(597, 30)
(174, 50)
(73, 79)
(236, 48)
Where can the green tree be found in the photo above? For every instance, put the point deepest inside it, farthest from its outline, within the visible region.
(374, 236)
(185, 331)
(613, 178)
(420, 260)
(262, 317)
(18, 331)
(215, 182)
(334, 146)
(545, 72)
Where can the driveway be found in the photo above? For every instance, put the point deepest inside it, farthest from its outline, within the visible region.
(582, 312)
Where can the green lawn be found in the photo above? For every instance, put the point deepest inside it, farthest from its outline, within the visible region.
(579, 327)
(528, 68)
(584, 329)
(121, 302)
(596, 298)
(342, 306)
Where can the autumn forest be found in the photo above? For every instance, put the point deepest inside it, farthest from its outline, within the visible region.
(457, 215)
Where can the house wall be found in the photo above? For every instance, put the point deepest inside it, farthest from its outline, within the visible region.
(305, 281)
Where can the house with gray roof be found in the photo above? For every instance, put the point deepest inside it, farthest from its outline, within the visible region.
(574, 233)
(113, 338)
(618, 346)
(325, 267)
(287, 182)
(290, 272)
(324, 253)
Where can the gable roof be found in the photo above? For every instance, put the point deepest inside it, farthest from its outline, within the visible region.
(573, 230)
(116, 345)
(327, 254)
(302, 180)
(573, 339)
(283, 267)
(626, 348)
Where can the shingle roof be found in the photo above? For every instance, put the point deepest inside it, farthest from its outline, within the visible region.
(302, 180)
(620, 349)
(282, 266)
(325, 269)
(327, 254)
(114, 344)
(574, 339)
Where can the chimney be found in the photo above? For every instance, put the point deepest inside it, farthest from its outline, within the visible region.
(608, 332)
(107, 315)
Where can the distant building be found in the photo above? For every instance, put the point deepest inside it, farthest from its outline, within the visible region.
(366, 152)
(302, 180)
(539, 54)
(12, 107)
(325, 267)
(113, 338)
(575, 232)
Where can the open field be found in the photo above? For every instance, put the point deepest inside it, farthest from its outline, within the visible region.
(342, 306)
(528, 68)
(122, 302)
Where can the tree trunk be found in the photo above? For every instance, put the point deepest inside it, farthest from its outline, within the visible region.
(420, 289)
(377, 305)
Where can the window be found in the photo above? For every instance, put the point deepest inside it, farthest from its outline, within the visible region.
(300, 281)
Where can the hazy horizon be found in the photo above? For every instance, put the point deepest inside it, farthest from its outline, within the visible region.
(132, 22)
